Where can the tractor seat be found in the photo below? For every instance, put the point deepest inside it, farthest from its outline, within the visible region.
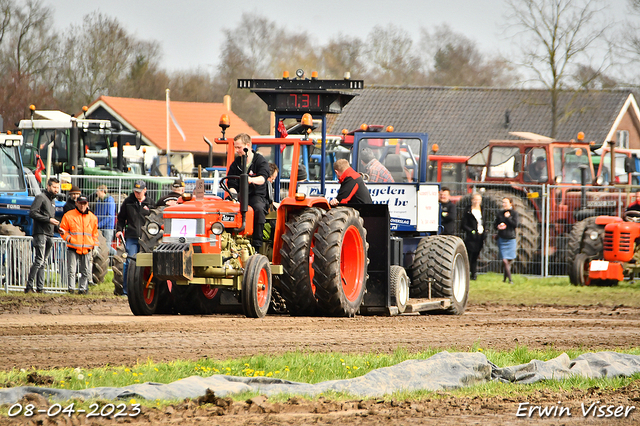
(393, 163)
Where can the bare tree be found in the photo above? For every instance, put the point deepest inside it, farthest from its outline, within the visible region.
(456, 61)
(556, 37)
(97, 58)
(343, 54)
(391, 58)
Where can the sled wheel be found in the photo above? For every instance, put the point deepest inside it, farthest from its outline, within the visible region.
(340, 262)
(256, 286)
(399, 287)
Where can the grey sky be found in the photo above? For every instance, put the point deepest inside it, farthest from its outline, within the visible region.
(190, 31)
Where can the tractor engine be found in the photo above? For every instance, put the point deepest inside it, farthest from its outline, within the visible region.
(620, 241)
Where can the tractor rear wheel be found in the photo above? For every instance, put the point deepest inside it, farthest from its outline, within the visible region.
(340, 262)
(148, 242)
(399, 287)
(100, 260)
(256, 286)
(527, 236)
(296, 283)
(141, 291)
(585, 237)
(442, 260)
(117, 266)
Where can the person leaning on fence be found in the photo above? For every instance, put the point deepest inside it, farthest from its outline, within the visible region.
(506, 223)
(79, 228)
(43, 211)
(171, 199)
(105, 210)
(73, 195)
(130, 221)
(352, 188)
(473, 225)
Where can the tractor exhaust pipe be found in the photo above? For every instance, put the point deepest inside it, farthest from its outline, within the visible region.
(243, 193)
(210, 159)
(73, 147)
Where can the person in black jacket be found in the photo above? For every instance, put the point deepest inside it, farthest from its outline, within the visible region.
(43, 211)
(73, 195)
(506, 223)
(447, 212)
(352, 188)
(258, 171)
(172, 198)
(473, 224)
(130, 220)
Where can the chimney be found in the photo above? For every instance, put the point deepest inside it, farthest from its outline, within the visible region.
(227, 102)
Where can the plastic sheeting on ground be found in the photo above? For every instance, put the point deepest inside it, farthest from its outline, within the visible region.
(443, 371)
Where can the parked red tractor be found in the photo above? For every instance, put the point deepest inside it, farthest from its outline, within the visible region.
(621, 252)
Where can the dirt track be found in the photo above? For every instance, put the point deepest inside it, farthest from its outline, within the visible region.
(79, 332)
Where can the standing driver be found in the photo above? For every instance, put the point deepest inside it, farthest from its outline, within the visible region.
(258, 171)
(130, 220)
(171, 199)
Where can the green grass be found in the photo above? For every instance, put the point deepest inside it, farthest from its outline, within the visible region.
(489, 288)
(309, 368)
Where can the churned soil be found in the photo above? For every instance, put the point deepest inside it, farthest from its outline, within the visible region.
(62, 331)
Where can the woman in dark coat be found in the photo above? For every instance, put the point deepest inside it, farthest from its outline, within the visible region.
(506, 223)
(473, 226)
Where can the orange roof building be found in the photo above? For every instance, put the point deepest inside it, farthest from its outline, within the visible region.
(197, 119)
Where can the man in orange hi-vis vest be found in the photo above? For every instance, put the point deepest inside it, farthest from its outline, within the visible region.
(79, 228)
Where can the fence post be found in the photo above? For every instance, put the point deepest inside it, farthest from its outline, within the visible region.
(547, 216)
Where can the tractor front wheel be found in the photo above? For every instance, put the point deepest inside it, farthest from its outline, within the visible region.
(141, 289)
(340, 262)
(256, 286)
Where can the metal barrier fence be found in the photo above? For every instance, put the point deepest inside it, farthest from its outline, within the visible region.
(547, 213)
(16, 258)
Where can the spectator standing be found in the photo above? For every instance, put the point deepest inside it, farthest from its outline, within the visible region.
(352, 188)
(447, 212)
(258, 171)
(133, 210)
(177, 189)
(105, 211)
(43, 211)
(636, 204)
(374, 168)
(473, 226)
(73, 195)
(506, 223)
(79, 228)
(271, 180)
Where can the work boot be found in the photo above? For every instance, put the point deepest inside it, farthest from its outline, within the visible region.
(71, 291)
(29, 290)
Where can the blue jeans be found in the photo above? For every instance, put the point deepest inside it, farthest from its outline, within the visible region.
(132, 247)
(42, 245)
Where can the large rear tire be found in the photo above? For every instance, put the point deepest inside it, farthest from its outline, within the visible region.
(340, 262)
(141, 291)
(117, 266)
(147, 243)
(442, 260)
(256, 286)
(100, 260)
(581, 240)
(296, 283)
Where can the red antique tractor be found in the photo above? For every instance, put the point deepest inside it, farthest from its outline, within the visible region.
(621, 254)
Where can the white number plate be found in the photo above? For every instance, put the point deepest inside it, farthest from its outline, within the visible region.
(599, 265)
(183, 228)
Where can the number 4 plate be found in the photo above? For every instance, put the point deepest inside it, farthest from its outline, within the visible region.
(183, 228)
(599, 265)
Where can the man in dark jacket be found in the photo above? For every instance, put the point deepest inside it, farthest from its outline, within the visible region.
(447, 212)
(130, 221)
(172, 198)
(352, 187)
(43, 211)
(258, 171)
(71, 199)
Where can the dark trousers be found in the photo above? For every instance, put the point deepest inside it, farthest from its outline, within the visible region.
(258, 204)
(473, 261)
(41, 245)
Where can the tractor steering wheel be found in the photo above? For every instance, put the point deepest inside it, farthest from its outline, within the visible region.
(631, 216)
(225, 187)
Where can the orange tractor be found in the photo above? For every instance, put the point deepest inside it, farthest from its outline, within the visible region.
(621, 253)
(196, 257)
